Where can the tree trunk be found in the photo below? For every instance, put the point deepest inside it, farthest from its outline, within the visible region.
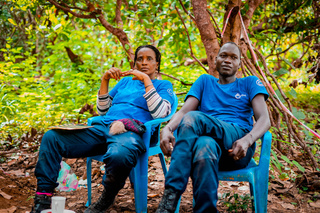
(233, 29)
(207, 33)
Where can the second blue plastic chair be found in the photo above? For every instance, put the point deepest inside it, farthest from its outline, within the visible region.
(139, 174)
(256, 174)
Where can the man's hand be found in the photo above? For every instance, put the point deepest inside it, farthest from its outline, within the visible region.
(167, 141)
(138, 75)
(114, 73)
(240, 147)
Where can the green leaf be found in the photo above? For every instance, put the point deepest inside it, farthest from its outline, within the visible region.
(280, 72)
(160, 43)
(64, 36)
(288, 62)
(280, 96)
(12, 22)
(301, 168)
(285, 159)
(298, 114)
(293, 93)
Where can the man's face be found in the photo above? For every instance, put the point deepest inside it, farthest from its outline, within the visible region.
(228, 60)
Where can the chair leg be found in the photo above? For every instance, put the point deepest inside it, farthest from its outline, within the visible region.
(141, 184)
(89, 181)
(261, 195)
(252, 194)
(178, 205)
(131, 177)
(163, 163)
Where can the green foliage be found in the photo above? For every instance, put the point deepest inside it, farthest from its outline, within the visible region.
(41, 87)
(237, 203)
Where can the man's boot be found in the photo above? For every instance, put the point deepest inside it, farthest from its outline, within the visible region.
(104, 202)
(41, 202)
(169, 201)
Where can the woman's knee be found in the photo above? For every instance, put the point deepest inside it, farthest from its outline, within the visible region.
(48, 138)
(120, 157)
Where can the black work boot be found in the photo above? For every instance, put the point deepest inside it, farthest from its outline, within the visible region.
(41, 202)
(104, 202)
(169, 201)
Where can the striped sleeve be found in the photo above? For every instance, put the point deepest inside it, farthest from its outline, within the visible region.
(103, 103)
(158, 106)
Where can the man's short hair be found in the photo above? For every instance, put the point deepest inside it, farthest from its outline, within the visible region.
(230, 42)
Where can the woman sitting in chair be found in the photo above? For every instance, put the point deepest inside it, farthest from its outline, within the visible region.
(136, 99)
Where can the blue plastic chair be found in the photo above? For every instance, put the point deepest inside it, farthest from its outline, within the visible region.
(139, 174)
(256, 174)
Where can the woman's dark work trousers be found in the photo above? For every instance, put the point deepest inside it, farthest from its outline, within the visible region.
(201, 149)
(120, 154)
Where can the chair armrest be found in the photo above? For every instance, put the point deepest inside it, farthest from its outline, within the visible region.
(266, 141)
(96, 118)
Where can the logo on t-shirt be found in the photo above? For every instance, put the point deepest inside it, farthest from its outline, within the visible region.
(238, 96)
(259, 83)
(170, 92)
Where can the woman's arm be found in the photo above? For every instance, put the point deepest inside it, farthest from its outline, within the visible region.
(104, 100)
(158, 107)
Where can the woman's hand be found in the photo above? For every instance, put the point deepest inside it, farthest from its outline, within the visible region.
(137, 75)
(114, 73)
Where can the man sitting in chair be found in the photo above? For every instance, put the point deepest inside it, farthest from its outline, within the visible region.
(214, 131)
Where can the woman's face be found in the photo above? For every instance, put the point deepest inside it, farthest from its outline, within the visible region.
(146, 62)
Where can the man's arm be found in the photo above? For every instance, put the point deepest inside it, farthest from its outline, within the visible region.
(240, 147)
(167, 137)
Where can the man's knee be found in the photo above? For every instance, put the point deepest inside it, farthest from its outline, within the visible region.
(191, 117)
(206, 148)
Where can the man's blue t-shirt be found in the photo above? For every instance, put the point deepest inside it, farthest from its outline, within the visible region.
(128, 100)
(228, 102)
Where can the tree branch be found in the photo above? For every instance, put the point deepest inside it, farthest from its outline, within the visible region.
(118, 14)
(120, 34)
(97, 13)
(171, 76)
(291, 45)
(191, 52)
(67, 9)
(186, 11)
(214, 20)
(73, 57)
(207, 33)
(253, 4)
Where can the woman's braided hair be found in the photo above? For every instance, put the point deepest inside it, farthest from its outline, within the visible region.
(155, 50)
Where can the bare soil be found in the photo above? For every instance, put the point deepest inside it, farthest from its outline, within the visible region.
(18, 184)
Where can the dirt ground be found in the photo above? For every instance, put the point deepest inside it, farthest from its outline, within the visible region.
(18, 183)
